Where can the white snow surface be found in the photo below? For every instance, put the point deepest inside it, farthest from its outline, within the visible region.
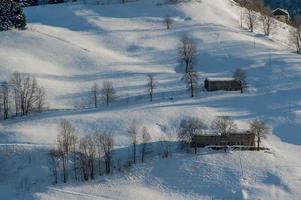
(70, 46)
(220, 79)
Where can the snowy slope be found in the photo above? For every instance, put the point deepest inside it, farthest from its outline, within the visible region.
(71, 46)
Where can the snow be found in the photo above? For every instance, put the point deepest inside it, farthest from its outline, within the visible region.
(68, 47)
(220, 79)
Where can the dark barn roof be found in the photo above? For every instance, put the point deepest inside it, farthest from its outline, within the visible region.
(280, 11)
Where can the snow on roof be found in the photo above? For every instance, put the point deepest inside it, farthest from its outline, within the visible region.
(210, 132)
(221, 79)
(282, 10)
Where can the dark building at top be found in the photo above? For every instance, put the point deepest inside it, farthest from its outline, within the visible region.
(222, 83)
(282, 15)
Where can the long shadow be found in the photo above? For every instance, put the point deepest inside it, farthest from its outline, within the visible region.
(24, 184)
(25, 171)
(82, 17)
(212, 186)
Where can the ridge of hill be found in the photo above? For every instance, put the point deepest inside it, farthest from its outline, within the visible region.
(68, 47)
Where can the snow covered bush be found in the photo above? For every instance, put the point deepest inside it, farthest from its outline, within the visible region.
(11, 15)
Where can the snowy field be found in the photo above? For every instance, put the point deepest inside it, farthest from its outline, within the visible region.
(68, 47)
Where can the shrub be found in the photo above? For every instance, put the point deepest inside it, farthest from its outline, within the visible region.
(11, 15)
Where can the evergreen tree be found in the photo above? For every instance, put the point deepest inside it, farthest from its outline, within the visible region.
(293, 6)
(26, 3)
(11, 15)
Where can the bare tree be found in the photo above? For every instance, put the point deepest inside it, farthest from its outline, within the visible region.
(84, 159)
(41, 99)
(91, 156)
(224, 125)
(145, 139)
(191, 78)
(16, 81)
(187, 53)
(107, 144)
(5, 99)
(259, 128)
(189, 128)
(151, 85)
(257, 5)
(168, 21)
(241, 76)
(74, 140)
(253, 9)
(94, 91)
(88, 154)
(295, 33)
(65, 137)
(266, 19)
(243, 4)
(251, 18)
(29, 96)
(256, 10)
(98, 142)
(108, 92)
(133, 133)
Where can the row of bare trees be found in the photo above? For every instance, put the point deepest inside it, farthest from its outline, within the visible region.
(80, 155)
(255, 12)
(21, 95)
(84, 157)
(223, 125)
(187, 57)
(106, 93)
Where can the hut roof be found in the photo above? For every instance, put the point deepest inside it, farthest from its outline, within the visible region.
(221, 79)
(280, 11)
(213, 133)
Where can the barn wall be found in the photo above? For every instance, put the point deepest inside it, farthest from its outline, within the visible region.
(245, 139)
(222, 85)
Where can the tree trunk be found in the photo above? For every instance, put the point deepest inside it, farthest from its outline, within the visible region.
(91, 169)
(143, 152)
(191, 87)
(241, 17)
(134, 154)
(95, 100)
(74, 166)
(99, 165)
(64, 171)
(186, 67)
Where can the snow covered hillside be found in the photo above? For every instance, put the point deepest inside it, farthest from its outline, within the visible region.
(68, 47)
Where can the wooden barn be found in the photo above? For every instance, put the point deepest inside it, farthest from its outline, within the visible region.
(282, 15)
(243, 139)
(222, 83)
